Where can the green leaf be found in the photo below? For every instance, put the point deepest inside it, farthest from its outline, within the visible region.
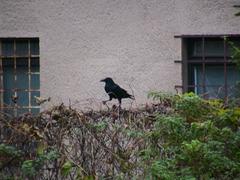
(28, 168)
(41, 148)
(88, 178)
(66, 168)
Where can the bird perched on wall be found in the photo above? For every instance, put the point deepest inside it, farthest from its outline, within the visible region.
(115, 91)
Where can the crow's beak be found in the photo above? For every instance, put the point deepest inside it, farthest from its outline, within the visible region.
(103, 80)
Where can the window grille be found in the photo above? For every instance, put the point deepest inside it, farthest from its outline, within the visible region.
(19, 75)
(207, 65)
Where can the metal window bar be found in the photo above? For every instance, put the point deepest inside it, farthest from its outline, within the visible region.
(15, 76)
(203, 65)
(29, 75)
(225, 71)
(1, 78)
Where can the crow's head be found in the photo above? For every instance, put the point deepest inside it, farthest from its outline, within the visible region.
(107, 80)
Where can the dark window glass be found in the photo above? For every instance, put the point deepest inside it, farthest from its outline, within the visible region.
(8, 75)
(35, 65)
(34, 47)
(35, 110)
(35, 81)
(22, 79)
(23, 98)
(7, 47)
(7, 98)
(21, 48)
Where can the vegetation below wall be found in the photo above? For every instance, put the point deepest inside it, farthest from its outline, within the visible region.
(178, 137)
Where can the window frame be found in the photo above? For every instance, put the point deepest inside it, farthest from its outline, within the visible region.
(29, 57)
(203, 60)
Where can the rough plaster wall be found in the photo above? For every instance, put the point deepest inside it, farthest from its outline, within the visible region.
(132, 41)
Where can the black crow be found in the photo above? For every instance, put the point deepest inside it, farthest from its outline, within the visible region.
(115, 91)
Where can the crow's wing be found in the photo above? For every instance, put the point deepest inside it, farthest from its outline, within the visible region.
(109, 88)
(119, 92)
(115, 91)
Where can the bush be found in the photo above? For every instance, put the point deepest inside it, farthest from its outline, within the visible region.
(199, 141)
(176, 137)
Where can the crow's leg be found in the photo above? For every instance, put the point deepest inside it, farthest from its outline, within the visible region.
(120, 102)
(119, 108)
(104, 102)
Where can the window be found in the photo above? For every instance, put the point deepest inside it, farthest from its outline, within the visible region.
(207, 66)
(19, 75)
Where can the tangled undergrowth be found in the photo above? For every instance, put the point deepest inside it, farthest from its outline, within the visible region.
(177, 137)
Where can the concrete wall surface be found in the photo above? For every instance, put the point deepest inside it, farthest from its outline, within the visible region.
(132, 41)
